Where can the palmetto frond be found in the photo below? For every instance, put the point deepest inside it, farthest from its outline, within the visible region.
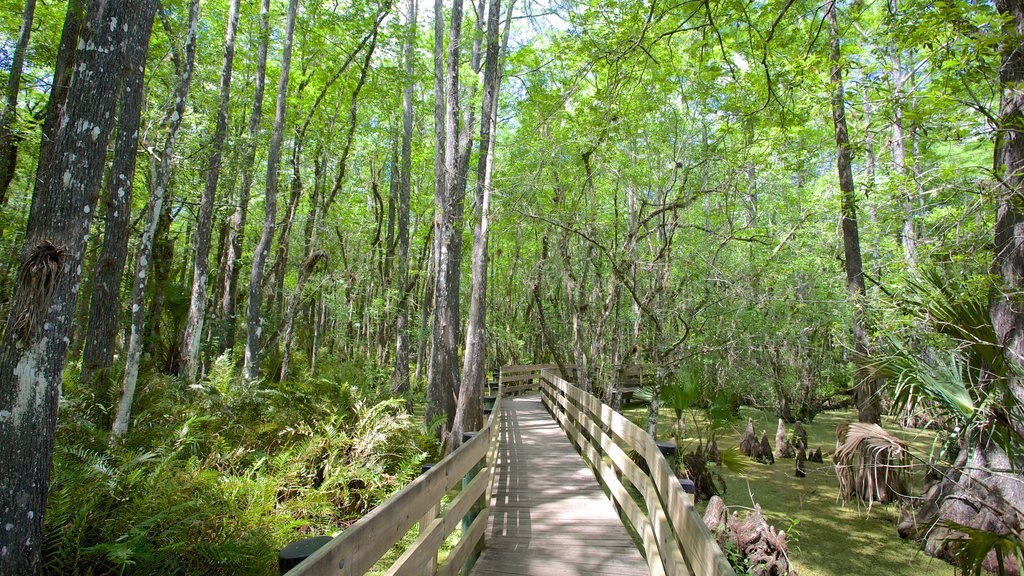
(871, 464)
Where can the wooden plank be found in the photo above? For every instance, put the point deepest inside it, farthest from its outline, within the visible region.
(430, 540)
(452, 565)
(548, 513)
(357, 549)
(668, 551)
(700, 549)
(506, 378)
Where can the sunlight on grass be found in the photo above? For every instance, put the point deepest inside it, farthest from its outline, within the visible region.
(831, 539)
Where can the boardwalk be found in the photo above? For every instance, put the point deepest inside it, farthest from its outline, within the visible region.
(549, 515)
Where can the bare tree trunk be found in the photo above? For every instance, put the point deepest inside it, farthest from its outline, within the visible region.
(288, 322)
(869, 407)
(443, 380)
(74, 20)
(104, 305)
(908, 234)
(161, 179)
(400, 379)
(1007, 310)
(8, 136)
(469, 410)
(35, 338)
(423, 358)
(254, 320)
(229, 301)
(204, 223)
(435, 392)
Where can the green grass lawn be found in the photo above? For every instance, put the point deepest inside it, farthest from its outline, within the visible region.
(832, 539)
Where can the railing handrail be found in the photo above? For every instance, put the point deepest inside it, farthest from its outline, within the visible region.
(676, 539)
(362, 545)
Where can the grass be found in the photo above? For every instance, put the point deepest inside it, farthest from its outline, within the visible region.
(831, 539)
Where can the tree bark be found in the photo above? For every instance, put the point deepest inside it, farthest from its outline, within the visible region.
(469, 410)
(1007, 307)
(288, 322)
(400, 379)
(908, 233)
(443, 380)
(204, 222)
(35, 338)
(236, 234)
(254, 319)
(74, 20)
(8, 135)
(104, 305)
(869, 408)
(161, 179)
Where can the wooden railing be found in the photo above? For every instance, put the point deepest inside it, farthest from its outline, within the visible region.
(466, 476)
(517, 379)
(674, 536)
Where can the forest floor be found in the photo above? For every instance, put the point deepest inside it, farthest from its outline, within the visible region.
(826, 537)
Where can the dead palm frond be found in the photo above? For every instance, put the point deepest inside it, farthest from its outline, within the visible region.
(871, 464)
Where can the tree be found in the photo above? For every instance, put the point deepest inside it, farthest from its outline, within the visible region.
(204, 221)
(400, 378)
(9, 113)
(155, 211)
(869, 406)
(254, 314)
(104, 304)
(74, 20)
(443, 380)
(469, 408)
(236, 231)
(35, 337)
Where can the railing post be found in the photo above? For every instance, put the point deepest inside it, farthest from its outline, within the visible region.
(467, 520)
(428, 517)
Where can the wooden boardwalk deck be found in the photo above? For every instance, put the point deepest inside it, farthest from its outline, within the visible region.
(549, 515)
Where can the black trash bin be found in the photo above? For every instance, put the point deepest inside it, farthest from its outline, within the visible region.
(668, 449)
(294, 553)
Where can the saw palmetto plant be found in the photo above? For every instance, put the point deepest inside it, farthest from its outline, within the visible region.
(966, 380)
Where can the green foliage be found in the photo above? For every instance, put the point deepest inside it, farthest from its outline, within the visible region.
(974, 547)
(683, 392)
(222, 482)
(963, 379)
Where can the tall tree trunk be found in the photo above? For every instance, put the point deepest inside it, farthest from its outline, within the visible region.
(204, 223)
(254, 320)
(35, 338)
(908, 234)
(469, 410)
(74, 20)
(161, 179)
(8, 135)
(423, 357)
(443, 379)
(236, 234)
(288, 321)
(869, 407)
(1007, 308)
(104, 305)
(400, 379)
(984, 489)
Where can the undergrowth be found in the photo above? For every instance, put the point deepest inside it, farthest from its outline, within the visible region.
(216, 478)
